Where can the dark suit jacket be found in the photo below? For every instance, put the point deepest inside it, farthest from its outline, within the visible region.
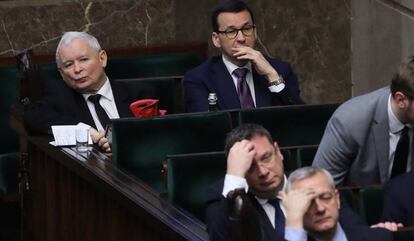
(62, 105)
(219, 226)
(399, 199)
(212, 76)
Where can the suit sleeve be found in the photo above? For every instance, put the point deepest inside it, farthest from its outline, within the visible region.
(195, 93)
(336, 149)
(290, 95)
(217, 213)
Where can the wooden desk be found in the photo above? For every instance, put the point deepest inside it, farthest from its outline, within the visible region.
(82, 196)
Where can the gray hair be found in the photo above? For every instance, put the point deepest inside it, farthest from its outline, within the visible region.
(68, 37)
(306, 172)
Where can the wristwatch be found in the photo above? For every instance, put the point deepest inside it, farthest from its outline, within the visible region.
(277, 82)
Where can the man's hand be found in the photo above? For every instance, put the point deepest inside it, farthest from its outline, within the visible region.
(296, 204)
(240, 158)
(391, 226)
(259, 62)
(100, 139)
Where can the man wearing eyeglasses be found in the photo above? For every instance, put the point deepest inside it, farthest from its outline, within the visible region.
(242, 78)
(314, 212)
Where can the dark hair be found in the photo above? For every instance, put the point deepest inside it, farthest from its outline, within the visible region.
(403, 80)
(230, 6)
(245, 132)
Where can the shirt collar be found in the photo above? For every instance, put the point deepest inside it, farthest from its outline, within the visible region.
(339, 234)
(231, 67)
(395, 124)
(105, 91)
(263, 201)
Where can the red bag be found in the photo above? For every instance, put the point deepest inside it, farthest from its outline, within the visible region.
(146, 108)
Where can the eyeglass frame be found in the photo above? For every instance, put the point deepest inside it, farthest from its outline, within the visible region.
(237, 30)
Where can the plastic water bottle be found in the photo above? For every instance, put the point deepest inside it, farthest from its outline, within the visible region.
(212, 102)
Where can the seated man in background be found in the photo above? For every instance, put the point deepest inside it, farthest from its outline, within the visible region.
(313, 211)
(85, 95)
(242, 77)
(399, 200)
(254, 163)
(368, 138)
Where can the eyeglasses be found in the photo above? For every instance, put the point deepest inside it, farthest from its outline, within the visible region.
(232, 33)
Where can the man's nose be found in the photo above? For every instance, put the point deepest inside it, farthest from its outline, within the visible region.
(262, 170)
(240, 36)
(77, 67)
(319, 205)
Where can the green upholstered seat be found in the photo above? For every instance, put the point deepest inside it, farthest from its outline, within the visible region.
(9, 142)
(49, 71)
(155, 65)
(292, 125)
(141, 145)
(305, 155)
(168, 91)
(9, 168)
(189, 176)
(371, 201)
(8, 91)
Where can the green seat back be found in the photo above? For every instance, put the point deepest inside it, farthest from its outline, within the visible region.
(49, 71)
(292, 125)
(189, 176)
(165, 90)
(8, 92)
(168, 64)
(9, 166)
(371, 201)
(141, 145)
(305, 155)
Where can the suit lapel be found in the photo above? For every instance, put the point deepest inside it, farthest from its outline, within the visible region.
(381, 137)
(224, 86)
(83, 110)
(122, 100)
(269, 233)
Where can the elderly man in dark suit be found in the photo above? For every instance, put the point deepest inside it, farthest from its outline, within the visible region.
(86, 94)
(242, 77)
(313, 211)
(368, 139)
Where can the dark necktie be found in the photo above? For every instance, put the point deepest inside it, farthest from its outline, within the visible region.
(279, 217)
(245, 97)
(102, 116)
(401, 154)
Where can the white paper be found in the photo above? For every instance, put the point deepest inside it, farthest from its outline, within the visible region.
(65, 135)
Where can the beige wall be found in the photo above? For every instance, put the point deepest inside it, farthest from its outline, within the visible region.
(313, 35)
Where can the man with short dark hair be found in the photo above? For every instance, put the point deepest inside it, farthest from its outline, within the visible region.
(242, 77)
(368, 139)
(313, 211)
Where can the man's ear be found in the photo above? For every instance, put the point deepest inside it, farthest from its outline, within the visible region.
(400, 99)
(337, 198)
(277, 150)
(103, 58)
(216, 40)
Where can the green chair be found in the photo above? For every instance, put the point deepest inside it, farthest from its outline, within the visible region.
(189, 176)
(141, 145)
(154, 65)
(305, 155)
(371, 201)
(9, 143)
(168, 90)
(295, 125)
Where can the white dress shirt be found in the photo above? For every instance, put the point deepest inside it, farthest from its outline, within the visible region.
(233, 182)
(395, 133)
(294, 234)
(107, 102)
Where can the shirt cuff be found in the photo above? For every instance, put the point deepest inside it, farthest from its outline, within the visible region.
(277, 88)
(233, 182)
(294, 234)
